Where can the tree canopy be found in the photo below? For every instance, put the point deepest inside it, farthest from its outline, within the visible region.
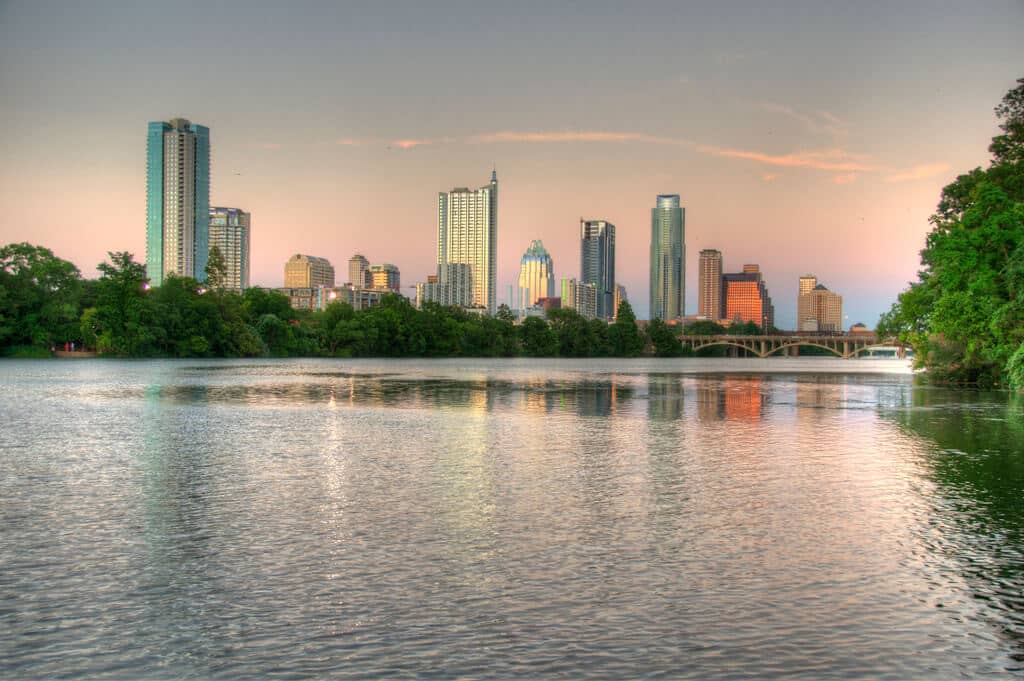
(964, 316)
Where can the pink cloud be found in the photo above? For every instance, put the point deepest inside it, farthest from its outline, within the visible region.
(845, 179)
(409, 144)
(918, 172)
(575, 136)
(822, 160)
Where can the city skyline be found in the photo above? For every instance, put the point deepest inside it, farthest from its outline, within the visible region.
(828, 162)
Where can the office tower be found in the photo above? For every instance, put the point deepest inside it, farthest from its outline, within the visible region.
(807, 284)
(668, 258)
(358, 266)
(385, 276)
(467, 234)
(536, 275)
(745, 298)
(597, 262)
(307, 271)
(709, 288)
(230, 230)
(579, 296)
(620, 297)
(177, 199)
(818, 309)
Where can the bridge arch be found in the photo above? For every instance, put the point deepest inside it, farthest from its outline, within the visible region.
(734, 344)
(834, 351)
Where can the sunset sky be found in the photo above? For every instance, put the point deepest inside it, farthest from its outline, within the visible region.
(812, 137)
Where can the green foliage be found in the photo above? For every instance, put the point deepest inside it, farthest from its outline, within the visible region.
(704, 328)
(538, 339)
(664, 338)
(216, 269)
(120, 314)
(39, 297)
(624, 337)
(745, 329)
(578, 336)
(964, 316)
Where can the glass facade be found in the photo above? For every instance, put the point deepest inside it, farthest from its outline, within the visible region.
(597, 262)
(177, 199)
(745, 299)
(536, 275)
(668, 258)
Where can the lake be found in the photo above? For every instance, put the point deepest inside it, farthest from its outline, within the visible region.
(800, 518)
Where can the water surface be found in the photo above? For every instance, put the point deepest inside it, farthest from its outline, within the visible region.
(595, 519)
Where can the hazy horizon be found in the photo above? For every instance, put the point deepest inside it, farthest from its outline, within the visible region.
(810, 139)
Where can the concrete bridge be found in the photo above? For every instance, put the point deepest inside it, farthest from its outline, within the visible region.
(846, 347)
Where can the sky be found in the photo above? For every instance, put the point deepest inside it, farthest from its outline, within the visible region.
(807, 137)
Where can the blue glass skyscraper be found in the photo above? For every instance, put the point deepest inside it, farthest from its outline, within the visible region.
(668, 258)
(177, 199)
(597, 263)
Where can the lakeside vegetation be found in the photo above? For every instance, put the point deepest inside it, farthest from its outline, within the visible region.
(45, 303)
(964, 316)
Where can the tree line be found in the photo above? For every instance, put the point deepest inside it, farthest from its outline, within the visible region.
(45, 303)
(964, 316)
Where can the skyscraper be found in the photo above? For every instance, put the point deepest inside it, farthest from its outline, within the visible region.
(177, 199)
(745, 298)
(358, 266)
(308, 271)
(620, 298)
(817, 308)
(597, 263)
(230, 233)
(385, 276)
(467, 234)
(536, 275)
(580, 296)
(709, 285)
(668, 258)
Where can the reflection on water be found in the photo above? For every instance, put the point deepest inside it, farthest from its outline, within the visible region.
(506, 519)
(974, 455)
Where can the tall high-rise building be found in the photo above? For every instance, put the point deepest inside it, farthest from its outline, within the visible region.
(817, 308)
(745, 298)
(385, 276)
(177, 199)
(620, 297)
(230, 233)
(807, 284)
(709, 284)
(308, 271)
(580, 296)
(536, 275)
(358, 266)
(668, 258)
(597, 262)
(467, 234)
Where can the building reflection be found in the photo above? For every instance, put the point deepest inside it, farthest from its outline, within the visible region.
(664, 397)
(731, 398)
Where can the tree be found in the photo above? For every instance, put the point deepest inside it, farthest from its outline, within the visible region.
(623, 335)
(666, 342)
(39, 297)
(964, 316)
(704, 328)
(216, 269)
(537, 338)
(121, 317)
